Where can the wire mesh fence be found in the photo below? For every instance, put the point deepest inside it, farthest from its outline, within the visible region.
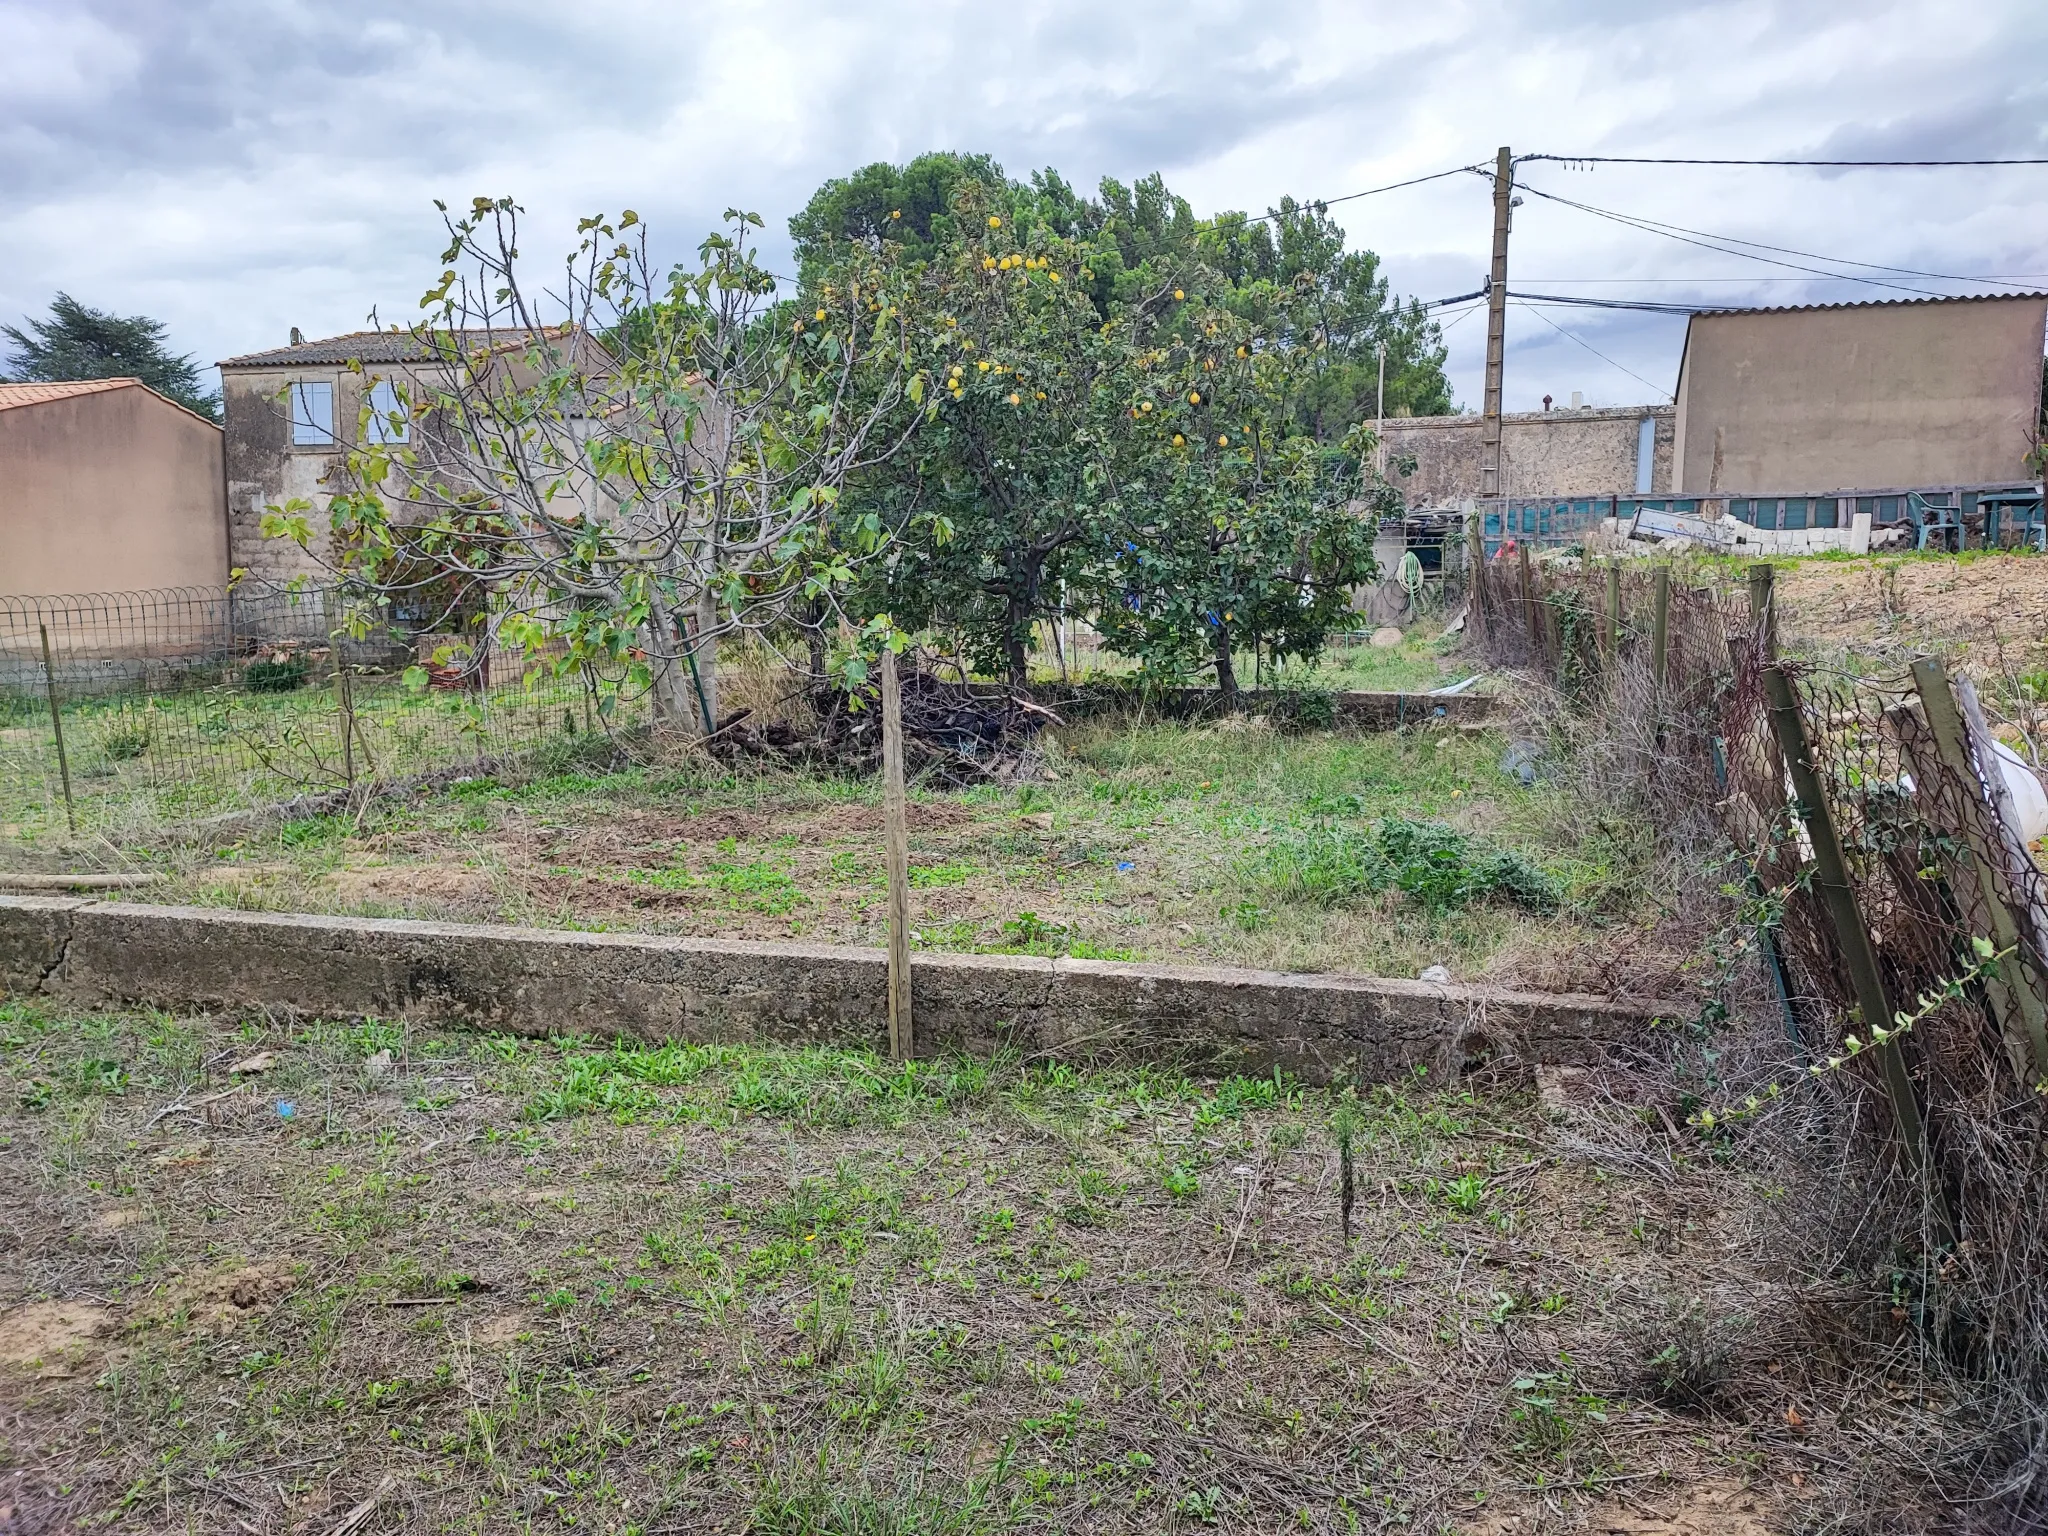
(123, 713)
(1886, 845)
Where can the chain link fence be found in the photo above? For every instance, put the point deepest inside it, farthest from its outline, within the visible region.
(1885, 835)
(124, 714)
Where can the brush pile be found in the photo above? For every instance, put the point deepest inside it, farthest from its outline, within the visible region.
(955, 734)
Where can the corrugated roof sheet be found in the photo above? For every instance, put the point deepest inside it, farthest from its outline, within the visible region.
(12, 395)
(368, 347)
(1934, 298)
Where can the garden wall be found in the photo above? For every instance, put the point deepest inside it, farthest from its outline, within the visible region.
(541, 982)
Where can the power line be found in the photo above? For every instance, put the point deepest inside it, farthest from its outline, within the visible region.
(2010, 277)
(1653, 306)
(1867, 165)
(1707, 242)
(1610, 362)
(1394, 186)
(1641, 221)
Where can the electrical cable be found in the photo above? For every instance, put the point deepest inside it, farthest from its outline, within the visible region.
(1568, 336)
(1649, 227)
(1914, 165)
(1658, 226)
(1651, 305)
(1395, 186)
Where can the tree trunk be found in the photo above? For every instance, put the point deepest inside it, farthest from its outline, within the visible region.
(704, 651)
(684, 673)
(814, 633)
(1226, 676)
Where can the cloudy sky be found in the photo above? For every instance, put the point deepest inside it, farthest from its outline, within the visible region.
(238, 167)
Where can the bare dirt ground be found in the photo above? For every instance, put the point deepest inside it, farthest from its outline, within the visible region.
(1991, 610)
(283, 1278)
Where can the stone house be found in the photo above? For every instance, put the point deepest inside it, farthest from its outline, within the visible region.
(292, 415)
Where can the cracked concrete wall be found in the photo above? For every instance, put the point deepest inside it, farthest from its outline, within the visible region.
(650, 987)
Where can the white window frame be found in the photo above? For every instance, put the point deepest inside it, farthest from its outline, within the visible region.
(383, 400)
(308, 430)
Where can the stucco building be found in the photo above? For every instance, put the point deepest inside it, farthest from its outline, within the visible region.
(109, 487)
(1893, 393)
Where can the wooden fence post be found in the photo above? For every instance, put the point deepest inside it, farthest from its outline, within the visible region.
(902, 1040)
(57, 725)
(1475, 585)
(1530, 614)
(2017, 1001)
(345, 705)
(1610, 621)
(1763, 608)
(1660, 620)
(1859, 955)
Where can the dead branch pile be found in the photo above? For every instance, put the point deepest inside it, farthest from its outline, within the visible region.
(954, 734)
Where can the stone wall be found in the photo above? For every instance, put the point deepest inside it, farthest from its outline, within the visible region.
(542, 982)
(264, 469)
(1585, 452)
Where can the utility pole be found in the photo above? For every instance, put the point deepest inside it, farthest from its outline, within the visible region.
(1379, 423)
(1491, 481)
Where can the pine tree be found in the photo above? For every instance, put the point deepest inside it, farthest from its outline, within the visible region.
(81, 343)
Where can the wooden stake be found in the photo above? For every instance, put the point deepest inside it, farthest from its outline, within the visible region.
(1660, 620)
(1852, 939)
(1529, 614)
(2017, 1000)
(1610, 628)
(902, 1039)
(1475, 586)
(57, 725)
(346, 705)
(1763, 610)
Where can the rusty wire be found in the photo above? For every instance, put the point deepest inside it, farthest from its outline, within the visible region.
(1932, 867)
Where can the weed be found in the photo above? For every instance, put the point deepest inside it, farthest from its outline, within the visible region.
(1549, 1414)
(1182, 1182)
(1204, 1505)
(1435, 866)
(1466, 1194)
(281, 676)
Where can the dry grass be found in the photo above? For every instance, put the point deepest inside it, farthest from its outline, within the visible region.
(498, 1286)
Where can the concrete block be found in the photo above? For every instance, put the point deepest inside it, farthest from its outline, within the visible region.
(652, 987)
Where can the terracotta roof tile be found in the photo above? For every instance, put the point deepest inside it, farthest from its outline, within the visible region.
(12, 395)
(367, 347)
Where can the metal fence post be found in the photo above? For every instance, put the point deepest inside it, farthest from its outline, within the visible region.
(1852, 939)
(57, 725)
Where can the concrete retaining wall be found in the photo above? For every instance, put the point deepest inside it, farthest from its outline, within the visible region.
(540, 982)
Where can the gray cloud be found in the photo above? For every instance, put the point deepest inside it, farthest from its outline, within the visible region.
(237, 167)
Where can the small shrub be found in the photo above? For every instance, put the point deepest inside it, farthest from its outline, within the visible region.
(126, 742)
(1300, 707)
(281, 676)
(1688, 1359)
(1434, 865)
